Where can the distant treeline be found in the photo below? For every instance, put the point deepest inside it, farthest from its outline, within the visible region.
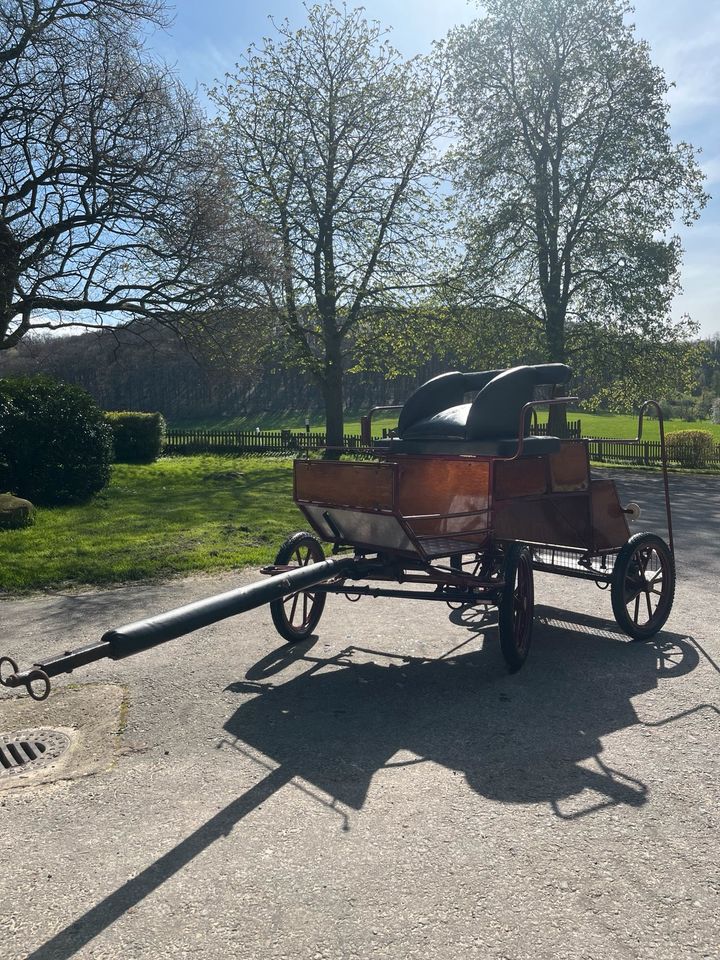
(152, 369)
(158, 372)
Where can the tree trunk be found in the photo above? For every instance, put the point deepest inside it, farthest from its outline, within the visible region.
(332, 388)
(9, 266)
(556, 353)
(555, 332)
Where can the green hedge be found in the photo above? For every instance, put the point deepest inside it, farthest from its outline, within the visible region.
(137, 437)
(55, 444)
(690, 448)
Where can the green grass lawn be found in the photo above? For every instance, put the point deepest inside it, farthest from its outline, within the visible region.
(593, 424)
(175, 516)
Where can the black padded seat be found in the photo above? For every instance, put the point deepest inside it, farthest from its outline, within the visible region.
(436, 418)
(501, 447)
(436, 410)
(450, 424)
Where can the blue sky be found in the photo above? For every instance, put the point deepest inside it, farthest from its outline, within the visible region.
(207, 38)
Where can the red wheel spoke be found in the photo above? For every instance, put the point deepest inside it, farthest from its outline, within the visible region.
(637, 608)
(649, 605)
(294, 607)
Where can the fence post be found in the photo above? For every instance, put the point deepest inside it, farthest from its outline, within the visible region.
(365, 437)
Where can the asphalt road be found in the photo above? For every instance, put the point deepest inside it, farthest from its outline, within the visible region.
(383, 790)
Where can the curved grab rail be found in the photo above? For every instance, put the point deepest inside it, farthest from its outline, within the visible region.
(663, 457)
(527, 408)
(366, 422)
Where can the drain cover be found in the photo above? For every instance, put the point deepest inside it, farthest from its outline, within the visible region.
(30, 750)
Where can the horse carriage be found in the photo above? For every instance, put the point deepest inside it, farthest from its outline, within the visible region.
(461, 504)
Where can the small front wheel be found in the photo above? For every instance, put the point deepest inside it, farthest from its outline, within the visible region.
(296, 616)
(516, 606)
(643, 585)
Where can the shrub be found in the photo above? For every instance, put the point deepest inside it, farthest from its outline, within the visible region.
(137, 437)
(716, 410)
(690, 448)
(55, 443)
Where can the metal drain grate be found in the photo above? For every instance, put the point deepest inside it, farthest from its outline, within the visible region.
(30, 750)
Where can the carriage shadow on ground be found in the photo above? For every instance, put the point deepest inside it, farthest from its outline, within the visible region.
(534, 737)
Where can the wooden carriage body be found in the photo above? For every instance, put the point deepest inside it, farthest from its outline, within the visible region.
(438, 505)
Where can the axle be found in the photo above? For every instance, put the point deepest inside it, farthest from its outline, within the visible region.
(144, 634)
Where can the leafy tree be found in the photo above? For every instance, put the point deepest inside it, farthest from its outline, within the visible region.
(568, 182)
(329, 134)
(616, 370)
(111, 201)
(398, 342)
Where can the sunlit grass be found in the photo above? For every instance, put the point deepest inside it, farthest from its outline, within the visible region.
(172, 517)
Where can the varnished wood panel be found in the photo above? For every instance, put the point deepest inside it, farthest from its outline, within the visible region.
(563, 520)
(436, 485)
(569, 467)
(526, 477)
(365, 486)
(610, 527)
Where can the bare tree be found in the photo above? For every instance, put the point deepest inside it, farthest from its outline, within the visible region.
(112, 202)
(330, 136)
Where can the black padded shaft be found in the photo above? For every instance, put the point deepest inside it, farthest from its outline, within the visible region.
(144, 634)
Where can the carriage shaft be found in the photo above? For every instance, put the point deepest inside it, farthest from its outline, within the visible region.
(144, 634)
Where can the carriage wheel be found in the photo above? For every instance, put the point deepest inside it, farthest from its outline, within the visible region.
(515, 609)
(296, 616)
(643, 585)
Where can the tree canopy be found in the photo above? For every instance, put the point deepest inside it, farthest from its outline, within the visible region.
(568, 182)
(329, 133)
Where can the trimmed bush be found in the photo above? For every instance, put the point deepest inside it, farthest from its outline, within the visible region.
(137, 437)
(55, 444)
(690, 448)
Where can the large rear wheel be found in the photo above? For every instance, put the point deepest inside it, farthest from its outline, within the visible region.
(296, 616)
(643, 585)
(516, 606)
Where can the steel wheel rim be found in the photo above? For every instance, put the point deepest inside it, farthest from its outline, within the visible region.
(522, 605)
(644, 589)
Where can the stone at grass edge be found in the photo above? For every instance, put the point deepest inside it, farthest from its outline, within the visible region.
(15, 512)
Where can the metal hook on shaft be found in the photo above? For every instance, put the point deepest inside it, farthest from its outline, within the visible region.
(25, 679)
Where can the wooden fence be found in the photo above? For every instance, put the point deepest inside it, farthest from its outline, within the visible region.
(647, 453)
(258, 442)
(296, 442)
(287, 442)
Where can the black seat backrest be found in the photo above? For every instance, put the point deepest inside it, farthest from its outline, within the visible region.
(440, 393)
(495, 411)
